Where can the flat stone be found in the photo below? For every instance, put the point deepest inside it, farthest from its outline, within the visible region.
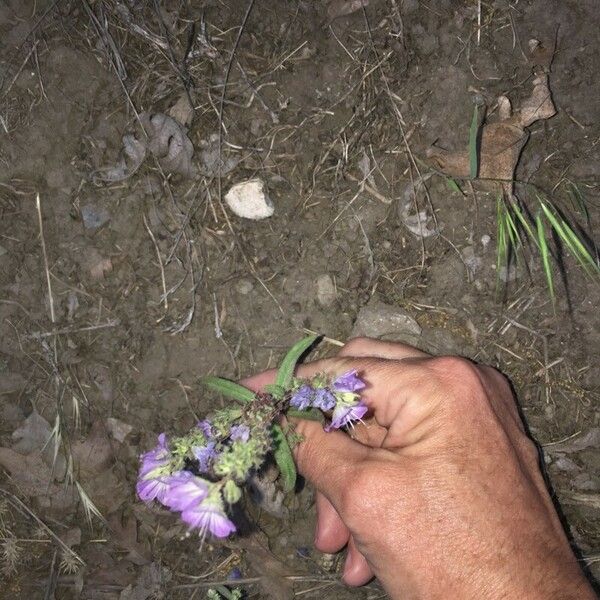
(249, 200)
(386, 322)
(326, 293)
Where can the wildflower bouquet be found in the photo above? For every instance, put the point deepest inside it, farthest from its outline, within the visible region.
(202, 473)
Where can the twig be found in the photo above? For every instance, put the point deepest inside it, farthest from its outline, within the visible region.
(160, 264)
(39, 334)
(43, 242)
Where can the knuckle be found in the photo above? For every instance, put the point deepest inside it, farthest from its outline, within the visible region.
(457, 370)
(355, 345)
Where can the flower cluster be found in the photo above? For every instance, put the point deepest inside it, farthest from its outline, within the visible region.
(339, 396)
(198, 475)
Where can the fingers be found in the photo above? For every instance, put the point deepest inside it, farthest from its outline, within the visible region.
(356, 569)
(369, 347)
(328, 460)
(331, 534)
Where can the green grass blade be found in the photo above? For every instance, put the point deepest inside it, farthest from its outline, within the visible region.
(579, 201)
(451, 183)
(501, 242)
(513, 232)
(284, 458)
(545, 254)
(228, 388)
(516, 209)
(571, 240)
(286, 369)
(473, 131)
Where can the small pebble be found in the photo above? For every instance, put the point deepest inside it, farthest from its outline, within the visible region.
(244, 287)
(94, 216)
(249, 200)
(326, 293)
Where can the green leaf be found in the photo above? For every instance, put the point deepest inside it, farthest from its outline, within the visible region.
(571, 240)
(275, 390)
(284, 458)
(473, 154)
(451, 183)
(228, 388)
(545, 253)
(286, 369)
(525, 223)
(501, 241)
(312, 414)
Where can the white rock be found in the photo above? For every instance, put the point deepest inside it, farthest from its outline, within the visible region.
(249, 200)
(325, 290)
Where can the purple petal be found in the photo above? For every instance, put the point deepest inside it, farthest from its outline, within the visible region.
(240, 432)
(344, 414)
(348, 382)
(154, 459)
(205, 455)
(323, 399)
(209, 517)
(206, 428)
(153, 489)
(302, 397)
(185, 491)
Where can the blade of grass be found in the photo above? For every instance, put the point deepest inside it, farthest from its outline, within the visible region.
(524, 223)
(570, 239)
(579, 201)
(451, 183)
(545, 254)
(501, 251)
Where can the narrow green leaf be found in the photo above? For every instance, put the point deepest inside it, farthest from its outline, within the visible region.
(513, 232)
(275, 390)
(543, 245)
(311, 414)
(451, 183)
(473, 155)
(579, 201)
(580, 251)
(570, 239)
(286, 369)
(228, 388)
(284, 458)
(524, 223)
(501, 245)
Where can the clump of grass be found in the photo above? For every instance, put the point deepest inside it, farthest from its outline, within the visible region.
(518, 228)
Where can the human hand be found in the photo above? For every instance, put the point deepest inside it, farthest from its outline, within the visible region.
(439, 492)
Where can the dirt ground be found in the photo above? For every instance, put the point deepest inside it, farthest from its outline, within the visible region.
(123, 280)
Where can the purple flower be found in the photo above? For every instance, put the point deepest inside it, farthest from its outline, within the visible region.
(205, 455)
(206, 428)
(302, 397)
(185, 491)
(209, 516)
(156, 488)
(240, 432)
(323, 399)
(155, 459)
(348, 382)
(344, 414)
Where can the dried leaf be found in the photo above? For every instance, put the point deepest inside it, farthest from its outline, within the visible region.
(130, 160)
(33, 437)
(501, 142)
(272, 572)
(124, 534)
(169, 143)
(95, 454)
